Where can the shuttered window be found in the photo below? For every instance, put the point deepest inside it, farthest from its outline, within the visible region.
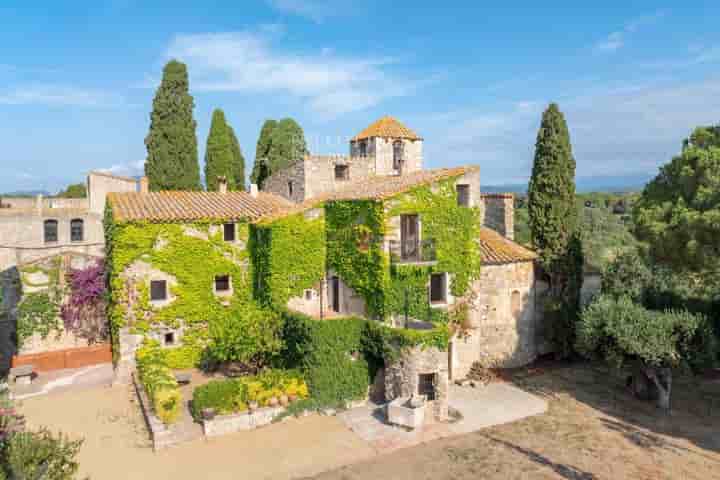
(158, 290)
(50, 231)
(222, 283)
(229, 232)
(463, 195)
(76, 230)
(438, 288)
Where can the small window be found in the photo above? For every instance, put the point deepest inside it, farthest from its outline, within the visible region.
(229, 232)
(342, 172)
(463, 195)
(362, 148)
(50, 231)
(426, 385)
(222, 283)
(290, 188)
(308, 294)
(76, 230)
(397, 155)
(438, 288)
(158, 290)
(169, 338)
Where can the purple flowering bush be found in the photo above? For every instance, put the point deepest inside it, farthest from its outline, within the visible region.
(83, 312)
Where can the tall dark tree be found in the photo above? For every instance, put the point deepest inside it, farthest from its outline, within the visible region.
(172, 161)
(553, 220)
(551, 196)
(219, 152)
(262, 151)
(238, 163)
(287, 145)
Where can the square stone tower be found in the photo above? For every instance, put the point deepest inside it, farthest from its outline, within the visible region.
(395, 148)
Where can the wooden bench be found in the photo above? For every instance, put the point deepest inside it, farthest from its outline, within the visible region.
(22, 374)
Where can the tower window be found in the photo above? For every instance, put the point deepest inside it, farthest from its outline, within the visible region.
(50, 231)
(76, 230)
(158, 290)
(290, 188)
(397, 155)
(229, 232)
(438, 288)
(342, 172)
(362, 148)
(463, 195)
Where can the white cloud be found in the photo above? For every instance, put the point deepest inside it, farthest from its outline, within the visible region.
(616, 40)
(697, 55)
(57, 95)
(133, 169)
(614, 132)
(316, 10)
(250, 62)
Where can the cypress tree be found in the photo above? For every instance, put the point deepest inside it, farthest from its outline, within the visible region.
(219, 152)
(553, 221)
(287, 145)
(262, 150)
(238, 164)
(172, 160)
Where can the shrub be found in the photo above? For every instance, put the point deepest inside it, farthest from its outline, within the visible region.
(168, 405)
(27, 455)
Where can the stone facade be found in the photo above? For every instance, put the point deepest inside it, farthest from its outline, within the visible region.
(504, 328)
(237, 422)
(499, 213)
(402, 378)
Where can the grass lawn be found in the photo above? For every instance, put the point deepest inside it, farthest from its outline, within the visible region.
(592, 430)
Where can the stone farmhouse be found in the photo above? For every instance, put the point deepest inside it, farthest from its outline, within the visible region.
(371, 234)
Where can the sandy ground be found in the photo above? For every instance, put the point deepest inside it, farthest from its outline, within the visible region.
(116, 445)
(592, 430)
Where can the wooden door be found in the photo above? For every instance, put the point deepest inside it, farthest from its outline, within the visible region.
(409, 236)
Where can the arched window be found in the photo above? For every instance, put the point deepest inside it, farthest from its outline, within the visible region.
(50, 231)
(77, 233)
(397, 154)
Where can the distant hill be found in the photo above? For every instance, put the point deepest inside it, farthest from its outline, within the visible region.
(25, 193)
(628, 183)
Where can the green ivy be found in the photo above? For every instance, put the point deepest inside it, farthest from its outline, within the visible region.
(37, 313)
(288, 256)
(355, 231)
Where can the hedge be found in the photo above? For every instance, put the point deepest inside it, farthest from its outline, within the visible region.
(159, 382)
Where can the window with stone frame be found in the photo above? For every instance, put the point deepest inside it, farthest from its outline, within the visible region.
(397, 155)
(169, 338)
(77, 227)
(158, 290)
(463, 195)
(50, 231)
(222, 283)
(229, 232)
(290, 188)
(438, 288)
(342, 172)
(426, 385)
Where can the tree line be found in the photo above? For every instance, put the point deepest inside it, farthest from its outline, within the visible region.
(172, 153)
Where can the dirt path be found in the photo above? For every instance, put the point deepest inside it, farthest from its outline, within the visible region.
(591, 431)
(116, 445)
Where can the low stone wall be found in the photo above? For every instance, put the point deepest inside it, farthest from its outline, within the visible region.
(224, 424)
(161, 435)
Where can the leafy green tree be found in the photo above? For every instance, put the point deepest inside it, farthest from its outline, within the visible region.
(551, 197)
(41, 455)
(262, 152)
(287, 145)
(624, 333)
(626, 276)
(238, 163)
(76, 190)
(704, 137)
(678, 213)
(219, 152)
(172, 161)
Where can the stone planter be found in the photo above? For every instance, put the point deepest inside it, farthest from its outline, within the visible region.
(406, 414)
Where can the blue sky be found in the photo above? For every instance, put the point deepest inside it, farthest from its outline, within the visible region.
(633, 78)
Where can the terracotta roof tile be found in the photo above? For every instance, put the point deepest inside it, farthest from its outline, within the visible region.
(179, 206)
(387, 127)
(497, 250)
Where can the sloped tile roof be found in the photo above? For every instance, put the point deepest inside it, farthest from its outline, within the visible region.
(387, 127)
(181, 206)
(497, 250)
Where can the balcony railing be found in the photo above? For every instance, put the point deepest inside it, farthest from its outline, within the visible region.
(412, 251)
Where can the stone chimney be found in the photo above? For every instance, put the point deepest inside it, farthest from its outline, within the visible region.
(222, 184)
(144, 185)
(253, 190)
(498, 213)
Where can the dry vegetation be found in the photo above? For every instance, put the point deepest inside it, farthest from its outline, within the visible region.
(593, 430)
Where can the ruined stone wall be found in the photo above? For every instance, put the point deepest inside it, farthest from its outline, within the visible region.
(504, 328)
(402, 377)
(278, 182)
(498, 213)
